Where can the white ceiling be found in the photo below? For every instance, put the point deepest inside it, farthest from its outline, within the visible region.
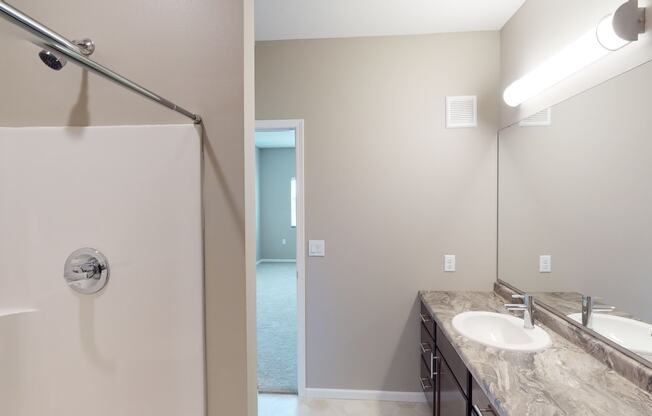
(313, 19)
(272, 139)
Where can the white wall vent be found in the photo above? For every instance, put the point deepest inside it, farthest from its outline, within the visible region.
(542, 118)
(461, 111)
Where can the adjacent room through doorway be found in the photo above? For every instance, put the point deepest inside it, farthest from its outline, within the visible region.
(276, 270)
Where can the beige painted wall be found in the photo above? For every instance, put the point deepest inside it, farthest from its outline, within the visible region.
(543, 27)
(579, 190)
(200, 54)
(389, 189)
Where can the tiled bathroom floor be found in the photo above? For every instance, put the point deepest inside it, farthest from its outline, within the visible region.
(290, 405)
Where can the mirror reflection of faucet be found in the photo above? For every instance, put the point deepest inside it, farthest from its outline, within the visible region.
(588, 309)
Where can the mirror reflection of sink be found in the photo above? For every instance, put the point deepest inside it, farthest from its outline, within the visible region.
(502, 331)
(630, 333)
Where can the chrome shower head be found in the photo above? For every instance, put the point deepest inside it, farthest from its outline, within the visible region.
(57, 62)
(52, 60)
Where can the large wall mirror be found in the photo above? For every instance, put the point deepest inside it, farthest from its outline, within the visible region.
(575, 184)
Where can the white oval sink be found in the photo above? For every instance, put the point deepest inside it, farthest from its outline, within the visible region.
(501, 331)
(630, 333)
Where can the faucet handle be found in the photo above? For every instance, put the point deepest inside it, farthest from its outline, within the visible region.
(588, 302)
(590, 298)
(86, 271)
(76, 276)
(527, 307)
(527, 299)
(516, 306)
(527, 302)
(604, 309)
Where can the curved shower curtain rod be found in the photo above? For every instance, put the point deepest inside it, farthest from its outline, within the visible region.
(56, 44)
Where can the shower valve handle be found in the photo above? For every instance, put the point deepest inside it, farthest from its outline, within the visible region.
(86, 271)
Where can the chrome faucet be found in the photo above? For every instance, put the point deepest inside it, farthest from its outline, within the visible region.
(588, 309)
(527, 307)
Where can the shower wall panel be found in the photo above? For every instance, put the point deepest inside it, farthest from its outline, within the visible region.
(135, 348)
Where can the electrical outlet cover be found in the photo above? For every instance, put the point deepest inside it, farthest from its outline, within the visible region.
(449, 263)
(545, 264)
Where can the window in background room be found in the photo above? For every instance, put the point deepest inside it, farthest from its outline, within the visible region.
(293, 202)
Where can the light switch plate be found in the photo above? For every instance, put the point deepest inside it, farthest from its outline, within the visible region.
(545, 264)
(316, 248)
(449, 263)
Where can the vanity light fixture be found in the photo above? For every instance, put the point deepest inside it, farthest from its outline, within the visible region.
(613, 32)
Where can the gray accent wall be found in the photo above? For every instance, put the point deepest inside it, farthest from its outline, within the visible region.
(276, 167)
(388, 187)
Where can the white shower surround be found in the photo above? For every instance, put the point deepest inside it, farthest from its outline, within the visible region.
(137, 348)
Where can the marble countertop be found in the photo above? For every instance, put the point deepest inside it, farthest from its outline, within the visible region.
(562, 380)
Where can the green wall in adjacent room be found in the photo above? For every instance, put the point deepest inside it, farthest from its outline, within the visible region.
(276, 167)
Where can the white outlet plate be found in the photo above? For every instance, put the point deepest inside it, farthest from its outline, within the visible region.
(545, 263)
(449, 263)
(316, 248)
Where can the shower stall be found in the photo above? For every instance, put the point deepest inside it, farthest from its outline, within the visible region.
(101, 263)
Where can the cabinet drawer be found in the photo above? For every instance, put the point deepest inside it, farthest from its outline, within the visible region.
(451, 401)
(426, 347)
(427, 384)
(455, 363)
(428, 321)
(481, 404)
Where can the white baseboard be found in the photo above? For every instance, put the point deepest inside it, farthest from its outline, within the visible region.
(276, 261)
(385, 396)
(258, 262)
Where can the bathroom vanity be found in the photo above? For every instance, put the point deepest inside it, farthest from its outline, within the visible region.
(462, 377)
(447, 383)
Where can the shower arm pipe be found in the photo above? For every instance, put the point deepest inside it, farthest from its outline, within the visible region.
(57, 43)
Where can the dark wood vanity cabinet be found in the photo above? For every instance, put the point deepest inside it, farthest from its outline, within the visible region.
(449, 387)
(480, 404)
(450, 399)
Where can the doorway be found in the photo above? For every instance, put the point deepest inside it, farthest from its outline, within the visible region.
(280, 277)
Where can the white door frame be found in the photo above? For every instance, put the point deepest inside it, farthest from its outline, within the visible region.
(297, 126)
